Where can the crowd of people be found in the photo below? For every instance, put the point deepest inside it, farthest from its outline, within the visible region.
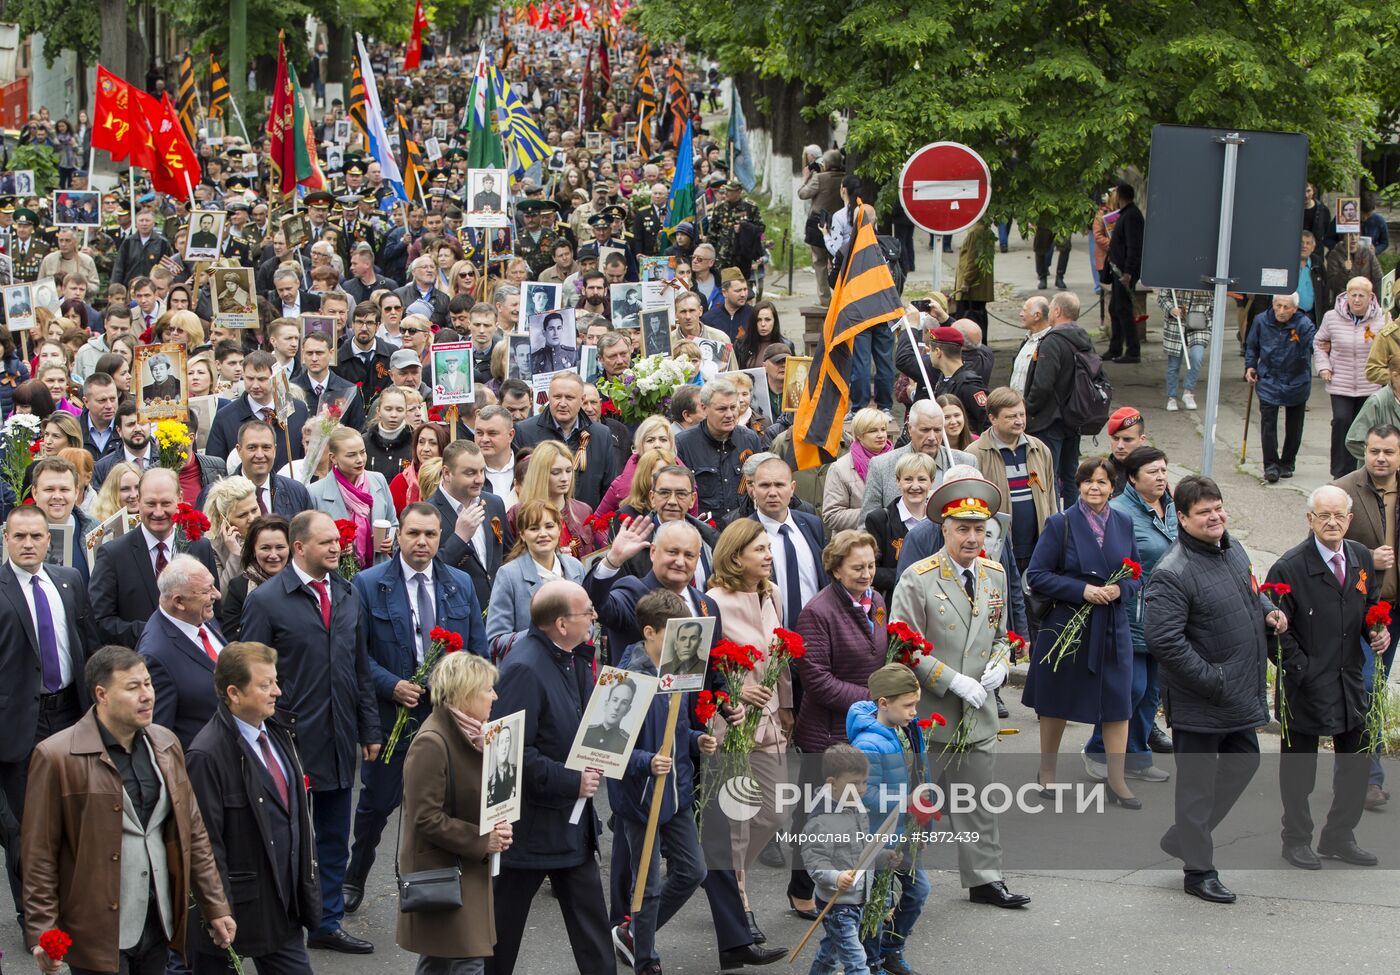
(202, 715)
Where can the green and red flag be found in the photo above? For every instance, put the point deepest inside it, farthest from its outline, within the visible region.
(291, 143)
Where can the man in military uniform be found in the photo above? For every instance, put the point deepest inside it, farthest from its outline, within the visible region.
(27, 251)
(725, 219)
(238, 244)
(958, 600)
(601, 226)
(486, 199)
(555, 355)
(608, 734)
(649, 225)
(535, 242)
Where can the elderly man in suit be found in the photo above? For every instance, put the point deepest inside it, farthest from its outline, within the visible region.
(958, 599)
(312, 616)
(1333, 585)
(247, 776)
(257, 403)
(475, 534)
(123, 589)
(181, 643)
(401, 602)
(925, 435)
(45, 616)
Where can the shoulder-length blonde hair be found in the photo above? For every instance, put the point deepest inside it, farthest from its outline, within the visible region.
(535, 486)
(109, 496)
(458, 677)
(639, 495)
(728, 573)
(457, 269)
(649, 426)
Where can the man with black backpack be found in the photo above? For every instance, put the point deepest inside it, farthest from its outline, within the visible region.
(1067, 394)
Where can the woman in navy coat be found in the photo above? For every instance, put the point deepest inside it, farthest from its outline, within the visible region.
(1078, 550)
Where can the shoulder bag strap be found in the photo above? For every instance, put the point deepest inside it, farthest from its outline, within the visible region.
(398, 833)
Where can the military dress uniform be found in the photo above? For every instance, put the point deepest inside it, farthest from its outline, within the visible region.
(537, 252)
(725, 218)
(963, 613)
(27, 255)
(648, 232)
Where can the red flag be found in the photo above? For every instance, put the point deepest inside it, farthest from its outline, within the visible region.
(544, 19)
(415, 40)
(532, 16)
(175, 158)
(119, 127)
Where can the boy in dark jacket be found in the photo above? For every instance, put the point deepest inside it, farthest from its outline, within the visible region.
(631, 797)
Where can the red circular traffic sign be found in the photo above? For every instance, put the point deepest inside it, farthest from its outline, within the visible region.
(945, 187)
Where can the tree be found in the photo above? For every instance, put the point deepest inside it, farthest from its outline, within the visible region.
(1058, 96)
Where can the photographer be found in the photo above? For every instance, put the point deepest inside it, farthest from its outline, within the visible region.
(822, 186)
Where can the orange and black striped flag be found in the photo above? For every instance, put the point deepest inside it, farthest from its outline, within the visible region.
(218, 89)
(864, 297)
(676, 115)
(413, 165)
(644, 61)
(185, 96)
(356, 103)
(646, 114)
(507, 52)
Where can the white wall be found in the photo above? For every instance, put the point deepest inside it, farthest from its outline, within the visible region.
(58, 87)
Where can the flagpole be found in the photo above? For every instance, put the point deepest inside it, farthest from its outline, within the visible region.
(239, 114)
(92, 164)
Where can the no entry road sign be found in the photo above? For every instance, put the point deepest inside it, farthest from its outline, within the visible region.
(945, 187)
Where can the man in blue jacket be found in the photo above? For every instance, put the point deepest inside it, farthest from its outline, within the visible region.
(1278, 364)
(401, 602)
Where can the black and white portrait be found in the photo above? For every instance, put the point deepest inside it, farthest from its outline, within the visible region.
(206, 230)
(656, 332)
(685, 653)
(553, 341)
(487, 192)
(626, 300)
(538, 297)
(612, 721)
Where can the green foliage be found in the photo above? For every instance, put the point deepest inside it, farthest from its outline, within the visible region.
(44, 162)
(66, 24)
(1059, 96)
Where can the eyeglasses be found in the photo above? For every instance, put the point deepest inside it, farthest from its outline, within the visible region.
(412, 331)
(391, 307)
(672, 492)
(1328, 519)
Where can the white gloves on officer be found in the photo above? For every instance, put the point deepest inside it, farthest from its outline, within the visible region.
(995, 675)
(969, 690)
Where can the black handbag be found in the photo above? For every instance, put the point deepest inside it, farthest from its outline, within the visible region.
(426, 891)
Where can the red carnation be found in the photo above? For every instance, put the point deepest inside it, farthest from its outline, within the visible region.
(1134, 568)
(346, 527)
(1017, 641)
(791, 643)
(1378, 616)
(36, 446)
(1276, 589)
(191, 521)
(55, 943)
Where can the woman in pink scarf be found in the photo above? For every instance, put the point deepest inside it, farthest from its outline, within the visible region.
(845, 479)
(351, 492)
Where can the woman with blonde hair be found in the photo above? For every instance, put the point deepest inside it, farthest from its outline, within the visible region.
(182, 327)
(122, 489)
(442, 776)
(517, 270)
(429, 476)
(462, 279)
(845, 479)
(230, 504)
(199, 372)
(653, 433)
(532, 561)
(549, 476)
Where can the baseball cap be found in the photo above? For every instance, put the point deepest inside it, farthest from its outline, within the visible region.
(405, 359)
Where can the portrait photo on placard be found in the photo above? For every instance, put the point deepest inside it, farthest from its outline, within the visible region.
(502, 751)
(656, 268)
(588, 365)
(441, 128)
(487, 192)
(44, 294)
(342, 131)
(619, 152)
(295, 229)
(158, 377)
(335, 158)
(626, 301)
(553, 341)
(452, 379)
(502, 242)
(432, 148)
(611, 722)
(714, 356)
(684, 653)
(234, 297)
(537, 297)
(214, 131)
(518, 365)
(19, 307)
(558, 161)
(24, 182)
(656, 332)
(206, 230)
(319, 325)
(593, 141)
(795, 381)
(1348, 215)
(77, 208)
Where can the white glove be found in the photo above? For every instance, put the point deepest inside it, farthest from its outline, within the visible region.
(969, 690)
(994, 676)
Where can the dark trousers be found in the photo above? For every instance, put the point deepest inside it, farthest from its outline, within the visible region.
(1212, 772)
(1145, 696)
(873, 353)
(1292, 433)
(330, 817)
(1044, 245)
(975, 310)
(727, 910)
(146, 957)
(580, 893)
(1298, 773)
(1064, 452)
(1344, 410)
(290, 959)
(381, 794)
(1123, 336)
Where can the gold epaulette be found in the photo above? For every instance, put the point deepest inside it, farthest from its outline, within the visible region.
(991, 563)
(927, 565)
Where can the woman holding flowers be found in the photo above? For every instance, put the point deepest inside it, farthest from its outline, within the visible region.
(352, 493)
(1086, 562)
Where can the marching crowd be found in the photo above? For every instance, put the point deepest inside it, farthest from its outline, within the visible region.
(208, 634)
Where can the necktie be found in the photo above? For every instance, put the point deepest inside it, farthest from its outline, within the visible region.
(319, 389)
(262, 505)
(1337, 569)
(208, 647)
(969, 585)
(274, 769)
(323, 596)
(148, 320)
(426, 619)
(791, 576)
(161, 560)
(48, 639)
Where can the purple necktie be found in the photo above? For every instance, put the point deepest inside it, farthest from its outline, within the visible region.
(48, 640)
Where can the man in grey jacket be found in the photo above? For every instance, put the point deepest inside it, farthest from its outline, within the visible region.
(926, 435)
(1207, 624)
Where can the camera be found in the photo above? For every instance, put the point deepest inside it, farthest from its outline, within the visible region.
(922, 304)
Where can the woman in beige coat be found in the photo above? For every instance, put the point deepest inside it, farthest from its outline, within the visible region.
(441, 806)
(845, 478)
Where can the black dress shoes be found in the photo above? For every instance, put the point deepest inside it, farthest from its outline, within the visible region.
(996, 895)
(1128, 360)
(1210, 889)
(1348, 852)
(339, 940)
(734, 958)
(1302, 857)
(1159, 741)
(353, 893)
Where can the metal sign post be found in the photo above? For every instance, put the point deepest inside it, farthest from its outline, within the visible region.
(1221, 280)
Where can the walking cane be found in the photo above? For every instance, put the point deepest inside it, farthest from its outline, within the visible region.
(1248, 407)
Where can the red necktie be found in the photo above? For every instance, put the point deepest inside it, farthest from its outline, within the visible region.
(208, 647)
(324, 596)
(161, 561)
(259, 493)
(274, 769)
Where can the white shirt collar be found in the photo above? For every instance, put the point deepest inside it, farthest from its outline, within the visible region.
(190, 631)
(152, 541)
(906, 515)
(409, 571)
(306, 580)
(24, 575)
(257, 407)
(1328, 555)
(769, 524)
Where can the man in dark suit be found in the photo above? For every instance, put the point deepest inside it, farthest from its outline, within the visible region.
(323, 387)
(256, 404)
(1322, 663)
(275, 494)
(549, 675)
(45, 617)
(140, 251)
(181, 643)
(312, 616)
(565, 422)
(287, 297)
(123, 587)
(363, 359)
(796, 537)
(137, 447)
(475, 535)
(247, 778)
(401, 601)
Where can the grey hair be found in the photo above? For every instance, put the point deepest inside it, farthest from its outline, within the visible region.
(751, 465)
(1317, 493)
(178, 577)
(925, 408)
(717, 387)
(283, 273)
(1040, 305)
(1067, 302)
(960, 470)
(1291, 298)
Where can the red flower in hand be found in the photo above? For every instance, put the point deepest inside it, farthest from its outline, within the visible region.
(346, 527)
(1276, 589)
(451, 641)
(791, 643)
(1017, 641)
(1134, 568)
(191, 521)
(55, 943)
(1378, 616)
